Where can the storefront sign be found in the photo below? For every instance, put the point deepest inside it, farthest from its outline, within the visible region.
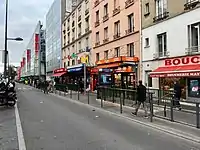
(124, 69)
(182, 61)
(118, 59)
(75, 69)
(180, 74)
(59, 70)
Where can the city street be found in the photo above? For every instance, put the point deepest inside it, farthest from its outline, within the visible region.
(51, 123)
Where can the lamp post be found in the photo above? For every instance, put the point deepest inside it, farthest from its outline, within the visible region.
(6, 39)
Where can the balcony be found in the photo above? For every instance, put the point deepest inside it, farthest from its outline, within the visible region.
(87, 30)
(105, 18)
(73, 39)
(86, 12)
(116, 11)
(128, 3)
(192, 50)
(96, 3)
(97, 23)
(97, 43)
(106, 40)
(161, 17)
(129, 31)
(79, 18)
(116, 36)
(191, 4)
(79, 34)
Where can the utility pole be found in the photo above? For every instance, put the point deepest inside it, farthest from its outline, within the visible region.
(6, 40)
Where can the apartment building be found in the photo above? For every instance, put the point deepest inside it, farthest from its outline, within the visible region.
(116, 39)
(170, 42)
(76, 37)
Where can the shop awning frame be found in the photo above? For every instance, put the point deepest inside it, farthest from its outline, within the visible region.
(59, 74)
(176, 71)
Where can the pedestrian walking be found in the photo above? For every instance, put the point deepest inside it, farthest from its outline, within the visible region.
(141, 98)
(177, 95)
(46, 85)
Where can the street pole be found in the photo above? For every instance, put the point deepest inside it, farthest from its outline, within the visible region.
(6, 36)
(85, 79)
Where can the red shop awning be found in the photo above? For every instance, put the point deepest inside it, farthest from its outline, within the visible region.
(176, 71)
(58, 74)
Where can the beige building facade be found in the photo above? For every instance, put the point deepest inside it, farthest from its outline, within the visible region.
(76, 35)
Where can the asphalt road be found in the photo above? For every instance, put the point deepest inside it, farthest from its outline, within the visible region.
(51, 123)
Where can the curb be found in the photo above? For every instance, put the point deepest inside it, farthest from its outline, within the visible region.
(170, 131)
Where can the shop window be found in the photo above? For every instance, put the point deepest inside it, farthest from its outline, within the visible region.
(117, 51)
(162, 44)
(194, 87)
(130, 48)
(97, 56)
(148, 80)
(106, 54)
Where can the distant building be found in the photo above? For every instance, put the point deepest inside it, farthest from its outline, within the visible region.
(33, 63)
(54, 19)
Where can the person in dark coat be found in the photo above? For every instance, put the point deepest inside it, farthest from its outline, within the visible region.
(177, 94)
(45, 86)
(141, 98)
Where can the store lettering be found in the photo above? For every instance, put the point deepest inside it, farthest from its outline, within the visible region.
(182, 61)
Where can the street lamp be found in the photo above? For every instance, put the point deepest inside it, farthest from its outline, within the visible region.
(6, 39)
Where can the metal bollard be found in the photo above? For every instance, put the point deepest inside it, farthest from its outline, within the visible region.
(88, 97)
(120, 102)
(113, 96)
(197, 114)
(171, 110)
(101, 98)
(78, 94)
(123, 101)
(70, 93)
(151, 107)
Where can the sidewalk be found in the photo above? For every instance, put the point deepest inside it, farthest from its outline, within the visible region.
(173, 128)
(8, 132)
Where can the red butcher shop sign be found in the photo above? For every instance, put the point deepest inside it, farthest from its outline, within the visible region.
(182, 61)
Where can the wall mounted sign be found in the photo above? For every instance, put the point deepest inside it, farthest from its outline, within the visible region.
(59, 70)
(182, 61)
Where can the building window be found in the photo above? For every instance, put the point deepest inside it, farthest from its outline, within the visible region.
(79, 46)
(194, 37)
(106, 54)
(79, 10)
(162, 45)
(117, 28)
(73, 62)
(87, 23)
(73, 33)
(105, 9)
(64, 64)
(68, 63)
(97, 16)
(116, 3)
(87, 4)
(146, 42)
(117, 51)
(147, 8)
(97, 37)
(148, 79)
(79, 29)
(87, 41)
(131, 22)
(97, 56)
(161, 7)
(130, 48)
(106, 33)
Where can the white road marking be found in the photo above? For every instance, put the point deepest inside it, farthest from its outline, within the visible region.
(20, 136)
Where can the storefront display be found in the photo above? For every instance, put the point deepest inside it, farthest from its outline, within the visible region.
(186, 70)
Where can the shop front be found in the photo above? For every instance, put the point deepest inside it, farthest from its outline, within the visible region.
(77, 73)
(116, 72)
(186, 70)
(58, 75)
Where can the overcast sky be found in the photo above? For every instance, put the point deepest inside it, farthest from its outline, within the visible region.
(23, 17)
